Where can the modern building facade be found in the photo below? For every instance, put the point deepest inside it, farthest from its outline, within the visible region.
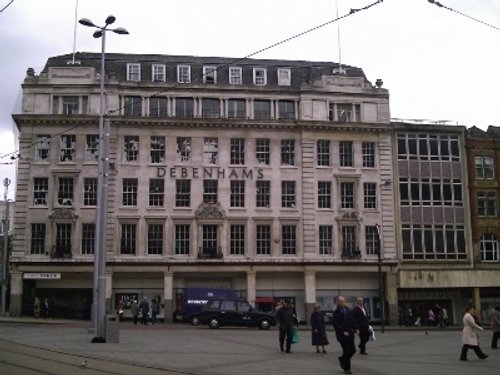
(271, 177)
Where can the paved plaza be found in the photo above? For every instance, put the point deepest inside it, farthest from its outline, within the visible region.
(64, 347)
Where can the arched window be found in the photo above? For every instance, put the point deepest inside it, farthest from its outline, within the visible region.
(489, 248)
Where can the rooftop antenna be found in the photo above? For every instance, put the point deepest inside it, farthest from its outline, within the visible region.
(338, 70)
(73, 61)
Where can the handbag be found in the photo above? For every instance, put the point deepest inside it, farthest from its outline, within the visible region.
(295, 335)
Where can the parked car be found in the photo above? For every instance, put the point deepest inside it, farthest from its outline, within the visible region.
(234, 312)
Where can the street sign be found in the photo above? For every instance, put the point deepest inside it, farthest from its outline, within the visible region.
(41, 276)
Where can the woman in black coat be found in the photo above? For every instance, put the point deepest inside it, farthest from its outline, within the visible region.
(318, 329)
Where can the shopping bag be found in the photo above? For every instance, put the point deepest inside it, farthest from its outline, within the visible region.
(295, 335)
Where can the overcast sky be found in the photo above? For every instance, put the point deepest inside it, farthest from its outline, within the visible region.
(436, 64)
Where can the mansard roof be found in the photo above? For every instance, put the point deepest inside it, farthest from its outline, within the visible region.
(303, 73)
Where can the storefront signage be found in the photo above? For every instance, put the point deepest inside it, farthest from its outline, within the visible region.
(41, 276)
(218, 173)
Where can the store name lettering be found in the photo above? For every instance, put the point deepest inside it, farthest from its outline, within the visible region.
(218, 173)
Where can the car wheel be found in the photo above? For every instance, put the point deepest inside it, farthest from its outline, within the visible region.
(213, 323)
(194, 320)
(264, 324)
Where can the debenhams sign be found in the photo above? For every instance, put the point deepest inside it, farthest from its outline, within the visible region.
(41, 276)
(218, 173)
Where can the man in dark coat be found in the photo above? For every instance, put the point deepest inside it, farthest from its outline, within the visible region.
(361, 322)
(286, 320)
(344, 325)
(144, 308)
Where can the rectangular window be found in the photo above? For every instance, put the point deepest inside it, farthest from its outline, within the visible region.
(183, 73)
(210, 191)
(488, 246)
(65, 191)
(237, 151)
(158, 72)
(324, 194)
(210, 108)
(182, 193)
(157, 107)
(286, 109)
(155, 239)
(235, 76)
(325, 239)
(42, 147)
(287, 152)
(346, 155)
(323, 152)
(128, 239)
(237, 198)
(40, 191)
(37, 245)
(486, 203)
(129, 192)
(261, 109)
(237, 240)
(132, 106)
(288, 199)
(90, 191)
(263, 193)
(156, 192)
(289, 239)
(88, 238)
(210, 75)
(131, 148)
(134, 72)
(348, 112)
(259, 76)
(372, 240)
(368, 149)
(182, 239)
(262, 151)
(370, 195)
(347, 195)
(157, 149)
(63, 241)
(484, 167)
(183, 149)
(211, 151)
(69, 105)
(92, 147)
(349, 246)
(184, 107)
(210, 247)
(236, 108)
(284, 77)
(68, 150)
(263, 239)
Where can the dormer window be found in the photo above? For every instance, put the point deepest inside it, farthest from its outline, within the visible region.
(259, 76)
(183, 74)
(134, 72)
(284, 77)
(235, 76)
(210, 75)
(158, 73)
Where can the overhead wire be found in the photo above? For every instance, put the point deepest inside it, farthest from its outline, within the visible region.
(17, 154)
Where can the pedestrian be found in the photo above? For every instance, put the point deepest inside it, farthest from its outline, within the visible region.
(144, 308)
(286, 321)
(343, 324)
(431, 317)
(495, 327)
(445, 317)
(469, 335)
(119, 309)
(155, 309)
(135, 310)
(45, 308)
(36, 307)
(361, 322)
(318, 328)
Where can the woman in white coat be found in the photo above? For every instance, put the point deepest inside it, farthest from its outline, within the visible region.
(469, 335)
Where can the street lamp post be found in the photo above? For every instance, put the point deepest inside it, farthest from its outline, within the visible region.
(380, 279)
(99, 293)
(5, 252)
